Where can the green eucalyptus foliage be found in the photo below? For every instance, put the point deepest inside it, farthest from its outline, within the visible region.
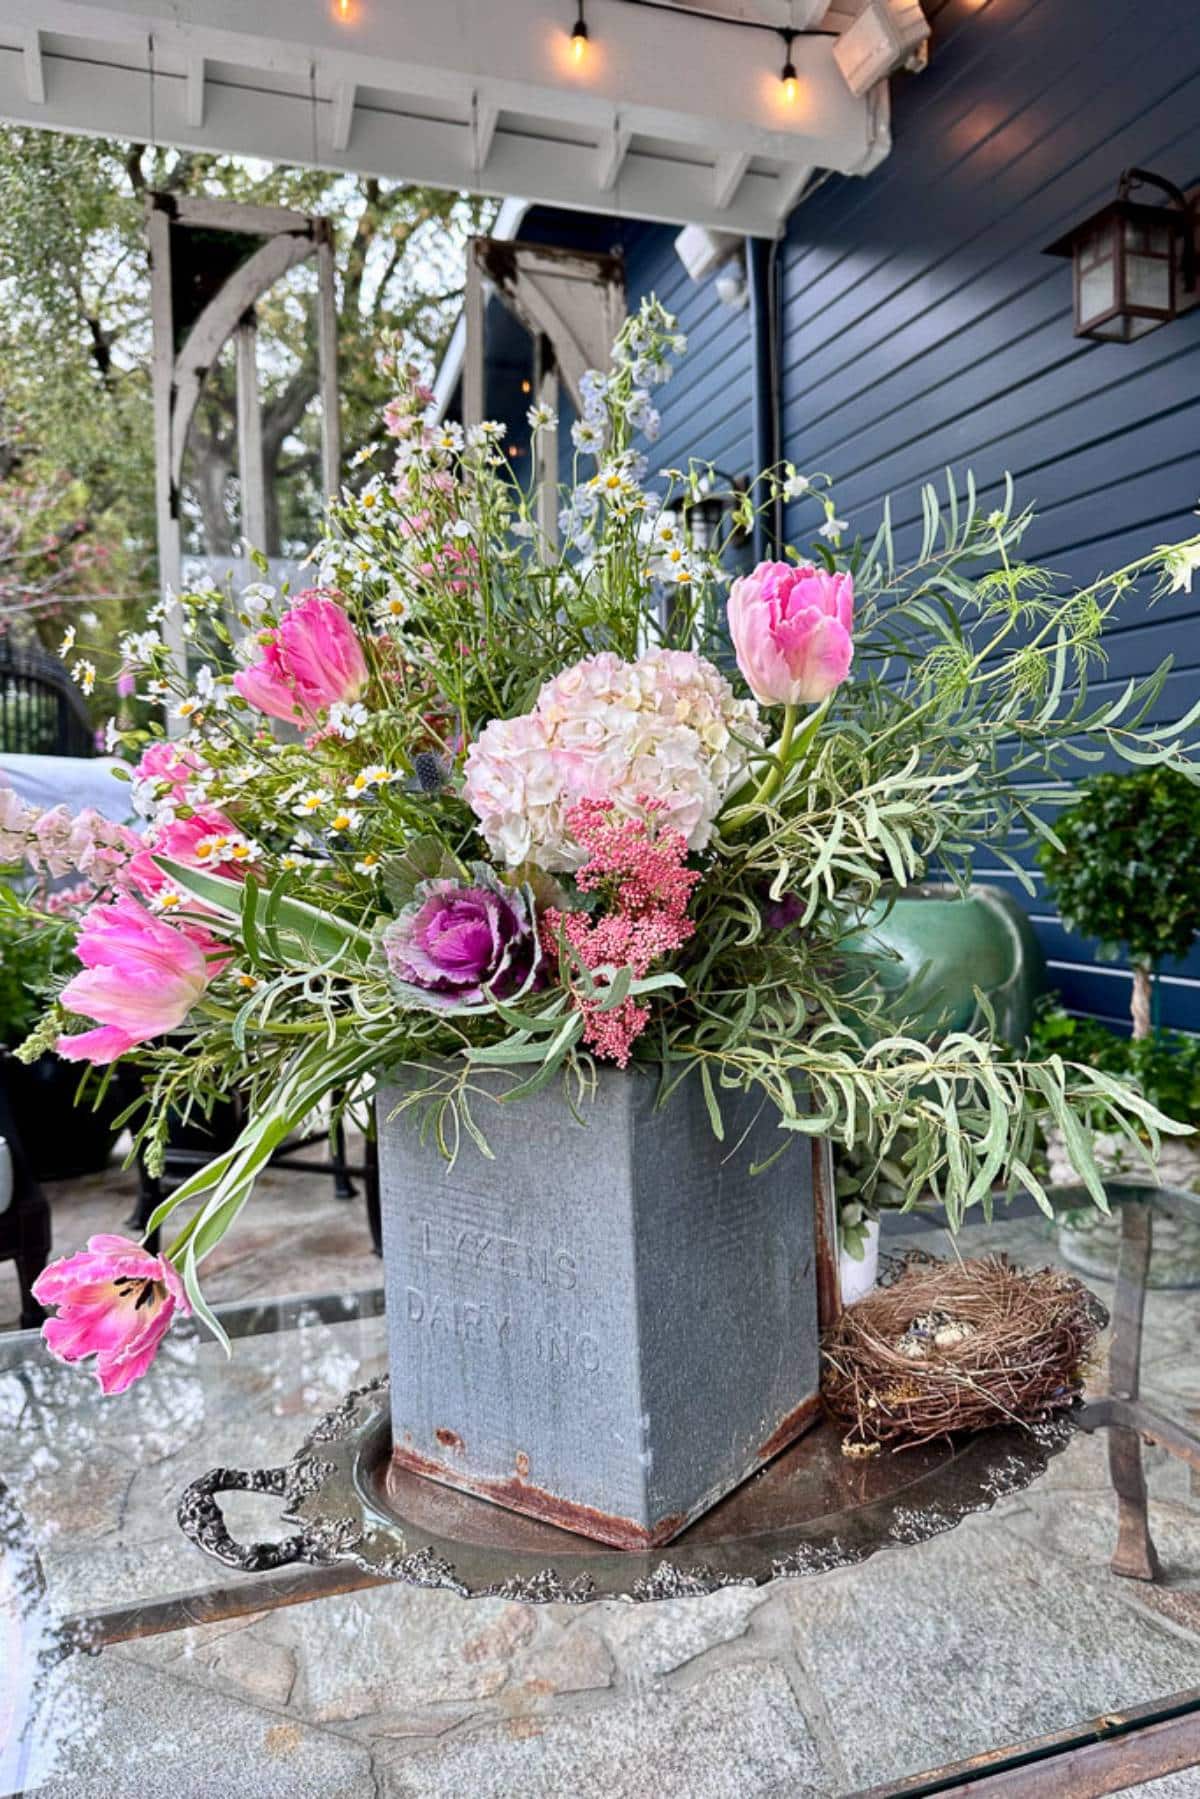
(1124, 866)
(1165, 1066)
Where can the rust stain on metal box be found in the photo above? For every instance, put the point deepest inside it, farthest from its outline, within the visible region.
(790, 1427)
(520, 1496)
(449, 1439)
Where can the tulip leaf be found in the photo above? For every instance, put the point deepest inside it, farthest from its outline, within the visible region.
(314, 933)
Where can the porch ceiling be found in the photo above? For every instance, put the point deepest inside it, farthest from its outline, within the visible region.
(669, 116)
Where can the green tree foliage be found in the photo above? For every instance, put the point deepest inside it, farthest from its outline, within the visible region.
(75, 396)
(1123, 869)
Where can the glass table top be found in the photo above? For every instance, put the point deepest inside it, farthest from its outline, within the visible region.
(1005, 1629)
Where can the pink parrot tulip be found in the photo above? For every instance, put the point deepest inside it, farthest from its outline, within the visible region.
(792, 632)
(310, 661)
(141, 978)
(115, 1301)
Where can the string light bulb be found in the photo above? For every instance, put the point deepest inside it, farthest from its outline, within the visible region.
(342, 8)
(787, 74)
(579, 36)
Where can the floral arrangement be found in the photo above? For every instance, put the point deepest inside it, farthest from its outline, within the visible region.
(486, 810)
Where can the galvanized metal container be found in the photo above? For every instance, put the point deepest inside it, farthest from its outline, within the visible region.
(613, 1323)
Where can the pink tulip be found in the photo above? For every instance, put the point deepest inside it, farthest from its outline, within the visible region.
(791, 629)
(141, 977)
(167, 764)
(310, 661)
(115, 1301)
(181, 841)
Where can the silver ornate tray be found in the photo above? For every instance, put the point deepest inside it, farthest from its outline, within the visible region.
(810, 1510)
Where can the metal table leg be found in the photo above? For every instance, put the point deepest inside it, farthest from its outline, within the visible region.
(1135, 1555)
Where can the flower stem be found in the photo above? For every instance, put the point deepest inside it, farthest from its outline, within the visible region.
(769, 785)
(780, 757)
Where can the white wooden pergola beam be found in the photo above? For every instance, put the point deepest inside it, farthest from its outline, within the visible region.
(484, 96)
(730, 167)
(611, 155)
(193, 101)
(485, 116)
(341, 116)
(34, 68)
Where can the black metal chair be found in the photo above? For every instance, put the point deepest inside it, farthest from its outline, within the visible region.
(183, 1157)
(25, 1224)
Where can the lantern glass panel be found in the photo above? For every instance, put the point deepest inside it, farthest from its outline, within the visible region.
(1148, 283)
(1096, 264)
(1150, 237)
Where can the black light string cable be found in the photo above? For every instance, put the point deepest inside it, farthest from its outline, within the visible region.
(788, 33)
(701, 15)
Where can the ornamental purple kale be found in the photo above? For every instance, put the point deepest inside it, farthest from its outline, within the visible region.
(460, 944)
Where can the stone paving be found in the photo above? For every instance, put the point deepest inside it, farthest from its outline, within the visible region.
(1009, 1626)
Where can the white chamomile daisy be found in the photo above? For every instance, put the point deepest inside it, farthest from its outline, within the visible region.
(312, 802)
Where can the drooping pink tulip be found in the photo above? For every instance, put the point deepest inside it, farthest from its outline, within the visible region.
(792, 632)
(141, 977)
(115, 1301)
(184, 840)
(310, 661)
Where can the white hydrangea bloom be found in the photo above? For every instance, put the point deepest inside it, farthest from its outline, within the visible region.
(666, 726)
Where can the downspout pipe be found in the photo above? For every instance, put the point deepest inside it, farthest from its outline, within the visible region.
(761, 271)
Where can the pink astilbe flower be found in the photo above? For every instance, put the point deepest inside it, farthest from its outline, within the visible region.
(115, 1301)
(644, 878)
(141, 977)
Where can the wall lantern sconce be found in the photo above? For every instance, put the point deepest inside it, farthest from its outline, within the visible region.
(1135, 263)
(706, 513)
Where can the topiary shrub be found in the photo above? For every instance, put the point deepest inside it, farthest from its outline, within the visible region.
(1126, 872)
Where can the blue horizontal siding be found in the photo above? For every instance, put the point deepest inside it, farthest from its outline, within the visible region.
(923, 328)
(707, 406)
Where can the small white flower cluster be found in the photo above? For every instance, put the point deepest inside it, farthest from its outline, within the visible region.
(347, 720)
(226, 847)
(616, 485)
(669, 557)
(1182, 562)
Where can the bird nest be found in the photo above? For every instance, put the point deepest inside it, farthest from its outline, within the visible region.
(958, 1346)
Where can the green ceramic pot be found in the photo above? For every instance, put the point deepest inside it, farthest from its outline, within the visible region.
(931, 949)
